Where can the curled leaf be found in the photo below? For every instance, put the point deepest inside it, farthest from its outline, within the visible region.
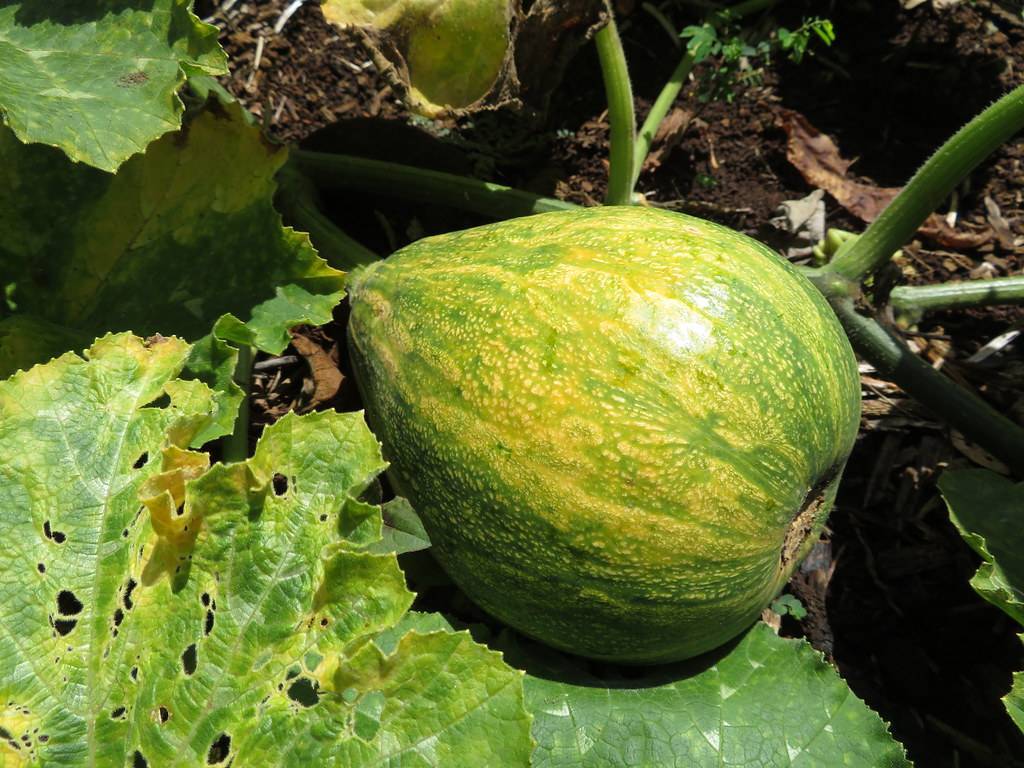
(988, 511)
(455, 57)
(448, 53)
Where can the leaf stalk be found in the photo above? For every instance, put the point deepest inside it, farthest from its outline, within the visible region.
(236, 445)
(621, 117)
(911, 302)
(962, 409)
(345, 172)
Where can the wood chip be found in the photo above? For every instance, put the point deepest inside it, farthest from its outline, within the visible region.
(999, 224)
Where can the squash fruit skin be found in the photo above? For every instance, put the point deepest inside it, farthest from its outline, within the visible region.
(622, 427)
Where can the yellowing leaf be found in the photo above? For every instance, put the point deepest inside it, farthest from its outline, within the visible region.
(99, 79)
(154, 608)
(178, 237)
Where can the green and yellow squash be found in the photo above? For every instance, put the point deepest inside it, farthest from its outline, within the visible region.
(622, 427)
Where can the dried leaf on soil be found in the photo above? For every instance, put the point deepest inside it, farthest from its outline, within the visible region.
(1000, 226)
(323, 369)
(669, 135)
(817, 158)
(804, 220)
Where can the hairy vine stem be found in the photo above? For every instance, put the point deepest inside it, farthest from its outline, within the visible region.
(913, 301)
(936, 179)
(330, 171)
(962, 409)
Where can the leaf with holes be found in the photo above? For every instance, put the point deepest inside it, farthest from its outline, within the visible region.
(988, 510)
(769, 701)
(78, 438)
(158, 611)
(180, 236)
(99, 79)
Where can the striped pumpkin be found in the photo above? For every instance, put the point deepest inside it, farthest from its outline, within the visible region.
(622, 427)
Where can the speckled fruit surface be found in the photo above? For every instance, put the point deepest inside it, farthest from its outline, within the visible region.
(622, 427)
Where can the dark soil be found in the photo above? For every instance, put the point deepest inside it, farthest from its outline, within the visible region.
(887, 590)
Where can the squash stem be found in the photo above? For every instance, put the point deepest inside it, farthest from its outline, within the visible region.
(236, 445)
(406, 182)
(659, 109)
(935, 181)
(962, 409)
(621, 118)
(297, 200)
(911, 302)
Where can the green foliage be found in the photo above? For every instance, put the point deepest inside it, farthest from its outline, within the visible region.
(98, 78)
(156, 607)
(794, 43)
(768, 701)
(706, 180)
(740, 54)
(789, 604)
(179, 236)
(988, 510)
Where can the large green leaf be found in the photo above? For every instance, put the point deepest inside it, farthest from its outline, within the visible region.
(178, 237)
(988, 510)
(99, 78)
(769, 702)
(26, 340)
(227, 616)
